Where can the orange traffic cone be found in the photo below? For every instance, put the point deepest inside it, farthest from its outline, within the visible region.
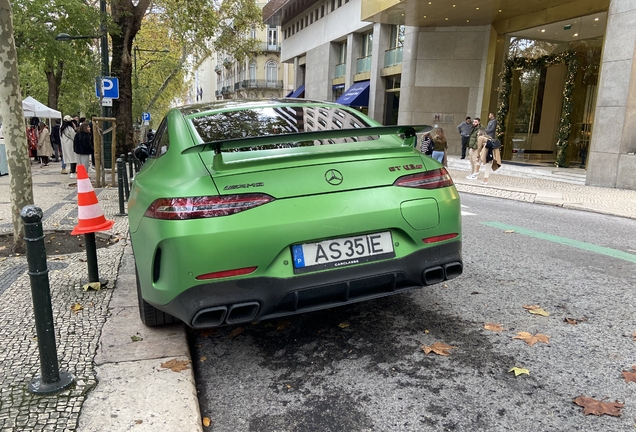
(89, 213)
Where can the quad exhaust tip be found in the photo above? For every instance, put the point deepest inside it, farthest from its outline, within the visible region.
(438, 274)
(219, 315)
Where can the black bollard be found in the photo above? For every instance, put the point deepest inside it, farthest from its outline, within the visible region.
(91, 260)
(120, 186)
(51, 380)
(126, 185)
(131, 170)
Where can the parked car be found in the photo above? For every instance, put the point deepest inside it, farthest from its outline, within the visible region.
(252, 210)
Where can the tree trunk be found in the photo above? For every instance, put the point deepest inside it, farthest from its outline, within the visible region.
(54, 79)
(127, 18)
(13, 125)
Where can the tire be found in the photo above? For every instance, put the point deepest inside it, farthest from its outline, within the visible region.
(150, 315)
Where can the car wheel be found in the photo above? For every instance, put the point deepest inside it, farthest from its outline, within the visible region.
(150, 315)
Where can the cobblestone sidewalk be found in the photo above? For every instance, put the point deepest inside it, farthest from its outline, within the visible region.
(77, 333)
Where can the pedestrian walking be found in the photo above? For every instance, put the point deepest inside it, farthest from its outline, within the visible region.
(67, 135)
(491, 127)
(465, 128)
(489, 157)
(440, 144)
(426, 147)
(44, 148)
(473, 154)
(56, 142)
(83, 146)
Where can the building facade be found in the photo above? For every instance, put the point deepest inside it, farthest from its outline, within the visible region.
(559, 75)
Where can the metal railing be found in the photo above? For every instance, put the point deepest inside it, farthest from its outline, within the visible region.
(262, 84)
(270, 47)
(363, 64)
(393, 57)
(341, 70)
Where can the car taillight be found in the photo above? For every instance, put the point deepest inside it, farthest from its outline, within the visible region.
(434, 179)
(205, 206)
(440, 238)
(227, 273)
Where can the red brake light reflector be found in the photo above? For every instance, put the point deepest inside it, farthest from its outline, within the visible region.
(204, 206)
(437, 178)
(440, 238)
(227, 273)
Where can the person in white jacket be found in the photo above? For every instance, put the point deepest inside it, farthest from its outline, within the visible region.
(67, 135)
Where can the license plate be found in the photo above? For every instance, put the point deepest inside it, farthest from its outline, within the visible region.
(342, 252)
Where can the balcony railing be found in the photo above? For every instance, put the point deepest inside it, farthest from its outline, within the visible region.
(217, 93)
(341, 69)
(237, 86)
(225, 90)
(262, 84)
(265, 47)
(218, 69)
(393, 57)
(363, 64)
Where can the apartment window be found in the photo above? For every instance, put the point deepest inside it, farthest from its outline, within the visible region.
(272, 37)
(322, 11)
(342, 55)
(252, 71)
(271, 70)
(317, 16)
(297, 27)
(306, 20)
(333, 5)
(311, 18)
(367, 44)
(397, 36)
(339, 3)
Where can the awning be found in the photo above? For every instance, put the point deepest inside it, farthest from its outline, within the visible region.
(34, 108)
(289, 94)
(357, 95)
(299, 92)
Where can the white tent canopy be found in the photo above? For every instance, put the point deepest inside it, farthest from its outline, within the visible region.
(34, 108)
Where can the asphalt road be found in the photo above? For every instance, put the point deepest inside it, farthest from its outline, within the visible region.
(361, 367)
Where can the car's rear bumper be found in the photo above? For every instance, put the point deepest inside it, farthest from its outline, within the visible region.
(248, 299)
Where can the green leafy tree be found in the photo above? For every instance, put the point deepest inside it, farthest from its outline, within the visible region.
(199, 27)
(54, 71)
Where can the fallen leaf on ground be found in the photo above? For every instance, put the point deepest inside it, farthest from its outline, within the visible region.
(630, 376)
(136, 338)
(571, 321)
(493, 327)
(77, 307)
(206, 421)
(237, 331)
(439, 348)
(634, 337)
(282, 324)
(92, 285)
(344, 325)
(598, 408)
(519, 371)
(536, 310)
(176, 365)
(509, 231)
(139, 421)
(208, 332)
(203, 358)
(531, 339)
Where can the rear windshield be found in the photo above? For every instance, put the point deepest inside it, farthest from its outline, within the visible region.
(254, 122)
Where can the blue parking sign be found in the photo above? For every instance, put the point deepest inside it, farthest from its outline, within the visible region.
(109, 86)
(145, 116)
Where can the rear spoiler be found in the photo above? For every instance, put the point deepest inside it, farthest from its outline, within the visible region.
(408, 132)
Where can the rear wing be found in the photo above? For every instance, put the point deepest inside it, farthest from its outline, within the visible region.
(408, 140)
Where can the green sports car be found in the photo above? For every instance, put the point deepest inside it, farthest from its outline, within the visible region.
(252, 210)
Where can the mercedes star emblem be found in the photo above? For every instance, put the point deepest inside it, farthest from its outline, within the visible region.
(333, 177)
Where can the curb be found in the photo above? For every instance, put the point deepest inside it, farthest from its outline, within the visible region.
(133, 390)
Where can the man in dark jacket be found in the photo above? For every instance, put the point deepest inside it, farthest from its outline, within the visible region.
(465, 128)
(56, 142)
